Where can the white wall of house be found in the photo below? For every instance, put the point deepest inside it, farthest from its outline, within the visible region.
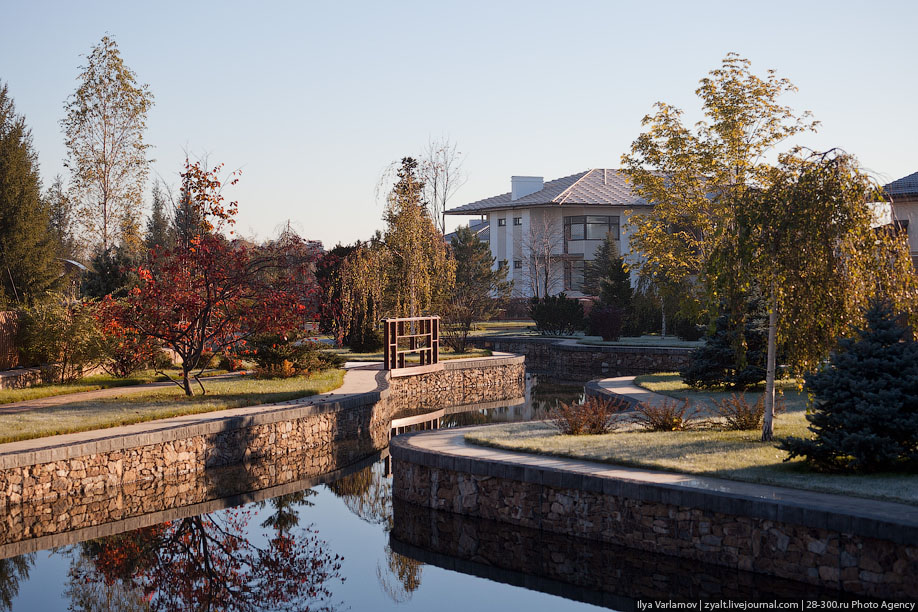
(907, 210)
(510, 242)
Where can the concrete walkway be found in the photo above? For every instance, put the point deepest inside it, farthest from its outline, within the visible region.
(451, 443)
(624, 386)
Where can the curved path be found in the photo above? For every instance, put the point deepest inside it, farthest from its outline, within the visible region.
(623, 386)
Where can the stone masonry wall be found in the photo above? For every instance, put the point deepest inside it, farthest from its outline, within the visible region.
(580, 362)
(565, 503)
(88, 468)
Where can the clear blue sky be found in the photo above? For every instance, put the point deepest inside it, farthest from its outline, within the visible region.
(313, 100)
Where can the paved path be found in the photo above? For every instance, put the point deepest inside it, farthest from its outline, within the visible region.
(452, 442)
(624, 386)
(84, 396)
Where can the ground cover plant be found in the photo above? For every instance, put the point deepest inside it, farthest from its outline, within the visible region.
(595, 415)
(160, 403)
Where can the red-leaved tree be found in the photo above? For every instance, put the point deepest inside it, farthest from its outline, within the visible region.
(211, 292)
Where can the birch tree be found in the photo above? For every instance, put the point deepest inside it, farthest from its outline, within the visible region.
(106, 153)
(442, 173)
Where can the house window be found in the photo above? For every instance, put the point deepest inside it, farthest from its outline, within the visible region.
(517, 264)
(517, 220)
(501, 264)
(573, 275)
(501, 222)
(591, 227)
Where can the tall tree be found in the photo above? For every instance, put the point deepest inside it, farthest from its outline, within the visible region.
(106, 153)
(695, 178)
(27, 249)
(421, 272)
(159, 225)
(441, 171)
(479, 290)
(606, 276)
(541, 248)
(809, 241)
(59, 208)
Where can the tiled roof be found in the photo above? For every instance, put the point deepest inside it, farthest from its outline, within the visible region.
(479, 227)
(904, 186)
(597, 187)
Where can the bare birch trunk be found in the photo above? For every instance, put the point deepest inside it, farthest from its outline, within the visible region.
(768, 430)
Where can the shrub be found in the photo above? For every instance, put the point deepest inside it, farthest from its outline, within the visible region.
(61, 337)
(594, 416)
(686, 328)
(556, 315)
(739, 415)
(290, 355)
(126, 350)
(230, 363)
(605, 321)
(162, 359)
(864, 401)
(669, 415)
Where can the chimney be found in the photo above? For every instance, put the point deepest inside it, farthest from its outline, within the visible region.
(524, 185)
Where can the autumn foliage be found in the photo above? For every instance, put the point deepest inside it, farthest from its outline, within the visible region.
(211, 292)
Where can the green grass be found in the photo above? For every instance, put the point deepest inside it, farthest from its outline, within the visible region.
(89, 383)
(734, 455)
(161, 403)
(444, 354)
(670, 384)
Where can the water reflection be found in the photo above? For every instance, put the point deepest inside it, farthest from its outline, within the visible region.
(12, 572)
(206, 562)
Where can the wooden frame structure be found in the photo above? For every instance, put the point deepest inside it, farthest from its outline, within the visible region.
(422, 336)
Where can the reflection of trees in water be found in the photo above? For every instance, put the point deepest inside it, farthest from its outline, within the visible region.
(285, 516)
(13, 571)
(205, 563)
(368, 494)
(89, 591)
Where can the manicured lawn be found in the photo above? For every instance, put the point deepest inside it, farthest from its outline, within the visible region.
(162, 403)
(670, 383)
(89, 383)
(735, 455)
(445, 354)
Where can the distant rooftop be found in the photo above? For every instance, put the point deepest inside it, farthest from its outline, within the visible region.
(904, 186)
(596, 187)
(479, 227)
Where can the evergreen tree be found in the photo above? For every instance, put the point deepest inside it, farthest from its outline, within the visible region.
(864, 410)
(27, 250)
(479, 289)
(111, 272)
(607, 276)
(60, 210)
(159, 229)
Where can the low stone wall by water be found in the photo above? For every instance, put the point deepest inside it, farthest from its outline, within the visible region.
(311, 426)
(826, 547)
(581, 362)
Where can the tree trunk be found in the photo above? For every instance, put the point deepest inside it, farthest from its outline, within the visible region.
(663, 315)
(768, 430)
(186, 384)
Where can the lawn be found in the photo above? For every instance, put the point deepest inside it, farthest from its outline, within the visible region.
(670, 383)
(734, 455)
(444, 354)
(90, 383)
(161, 403)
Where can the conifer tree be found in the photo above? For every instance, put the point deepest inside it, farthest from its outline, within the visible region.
(607, 276)
(865, 400)
(27, 251)
(59, 207)
(159, 228)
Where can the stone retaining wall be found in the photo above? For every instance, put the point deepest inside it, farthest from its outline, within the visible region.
(778, 538)
(57, 471)
(581, 362)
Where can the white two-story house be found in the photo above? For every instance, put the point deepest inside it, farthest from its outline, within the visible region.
(544, 232)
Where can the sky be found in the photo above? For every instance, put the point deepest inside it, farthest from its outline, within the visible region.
(313, 100)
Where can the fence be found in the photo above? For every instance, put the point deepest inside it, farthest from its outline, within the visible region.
(9, 327)
(411, 335)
